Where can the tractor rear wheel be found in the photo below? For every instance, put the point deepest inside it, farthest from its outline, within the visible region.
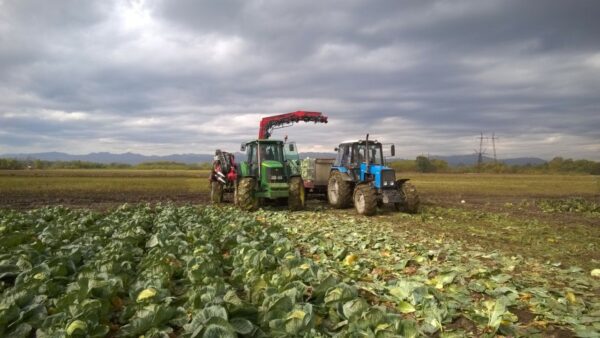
(339, 192)
(410, 199)
(216, 192)
(246, 199)
(296, 197)
(365, 199)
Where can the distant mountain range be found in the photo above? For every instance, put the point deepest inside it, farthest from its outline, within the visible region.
(105, 157)
(133, 158)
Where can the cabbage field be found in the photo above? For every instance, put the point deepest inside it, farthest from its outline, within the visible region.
(183, 271)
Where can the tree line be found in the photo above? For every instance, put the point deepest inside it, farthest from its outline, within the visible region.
(423, 164)
(557, 165)
(14, 164)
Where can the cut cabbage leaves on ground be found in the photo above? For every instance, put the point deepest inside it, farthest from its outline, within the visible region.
(219, 272)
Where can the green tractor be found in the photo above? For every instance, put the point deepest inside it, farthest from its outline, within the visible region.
(268, 174)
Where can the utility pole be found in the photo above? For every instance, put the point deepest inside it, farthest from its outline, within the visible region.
(494, 138)
(480, 152)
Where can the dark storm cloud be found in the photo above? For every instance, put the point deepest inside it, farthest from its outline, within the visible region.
(187, 76)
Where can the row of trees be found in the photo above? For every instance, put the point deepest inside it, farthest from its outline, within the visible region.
(420, 164)
(556, 166)
(7, 163)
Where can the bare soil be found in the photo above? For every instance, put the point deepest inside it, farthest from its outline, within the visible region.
(97, 200)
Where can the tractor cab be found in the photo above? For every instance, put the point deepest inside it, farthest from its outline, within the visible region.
(264, 159)
(262, 154)
(352, 153)
(363, 161)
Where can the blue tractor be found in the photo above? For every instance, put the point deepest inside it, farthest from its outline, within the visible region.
(360, 176)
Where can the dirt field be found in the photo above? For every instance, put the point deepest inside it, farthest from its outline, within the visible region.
(104, 188)
(100, 189)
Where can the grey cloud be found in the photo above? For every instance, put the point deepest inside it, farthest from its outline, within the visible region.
(428, 75)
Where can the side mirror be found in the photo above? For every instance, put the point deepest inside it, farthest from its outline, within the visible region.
(291, 147)
(336, 149)
(243, 147)
(393, 150)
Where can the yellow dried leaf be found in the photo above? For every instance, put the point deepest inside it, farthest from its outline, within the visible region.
(525, 296)
(39, 276)
(76, 325)
(350, 259)
(146, 294)
(571, 297)
(382, 327)
(297, 314)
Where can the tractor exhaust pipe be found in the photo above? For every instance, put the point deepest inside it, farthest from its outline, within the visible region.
(367, 154)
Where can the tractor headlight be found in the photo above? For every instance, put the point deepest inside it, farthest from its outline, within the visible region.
(392, 183)
(273, 178)
(385, 183)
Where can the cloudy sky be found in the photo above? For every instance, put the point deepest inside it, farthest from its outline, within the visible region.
(162, 77)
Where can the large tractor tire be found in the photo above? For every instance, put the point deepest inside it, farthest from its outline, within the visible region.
(246, 199)
(296, 197)
(339, 192)
(216, 192)
(410, 199)
(365, 199)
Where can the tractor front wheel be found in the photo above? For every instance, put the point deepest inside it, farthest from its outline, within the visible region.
(296, 197)
(365, 200)
(216, 192)
(339, 192)
(246, 199)
(410, 199)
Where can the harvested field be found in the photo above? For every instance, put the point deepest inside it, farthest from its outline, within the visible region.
(100, 188)
(488, 254)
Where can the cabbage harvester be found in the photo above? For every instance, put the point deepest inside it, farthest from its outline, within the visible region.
(271, 169)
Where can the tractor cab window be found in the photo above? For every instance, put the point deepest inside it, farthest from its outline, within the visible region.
(375, 155)
(252, 158)
(291, 151)
(252, 154)
(271, 152)
(343, 155)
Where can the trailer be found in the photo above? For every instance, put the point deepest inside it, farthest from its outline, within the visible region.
(315, 174)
